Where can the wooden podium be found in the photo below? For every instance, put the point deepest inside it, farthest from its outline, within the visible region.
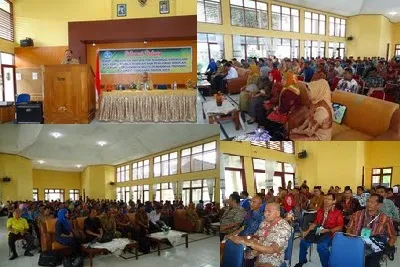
(69, 94)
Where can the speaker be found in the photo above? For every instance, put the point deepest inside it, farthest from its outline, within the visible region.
(302, 154)
(112, 183)
(26, 42)
(29, 113)
(350, 38)
(6, 179)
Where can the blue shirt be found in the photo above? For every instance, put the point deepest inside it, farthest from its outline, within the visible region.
(308, 74)
(252, 221)
(245, 203)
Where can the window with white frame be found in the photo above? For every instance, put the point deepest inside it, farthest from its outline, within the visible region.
(209, 46)
(284, 173)
(166, 164)
(249, 13)
(35, 194)
(245, 47)
(336, 50)
(165, 192)
(194, 191)
(140, 170)
(285, 19)
(285, 48)
(54, 194)
(209, 11)
(314, 23)
(314, 49)
(6, 20)
(123, 173)
(140, 192)
(337, 27)
(397, 50)
(199, 158)
(74, 194)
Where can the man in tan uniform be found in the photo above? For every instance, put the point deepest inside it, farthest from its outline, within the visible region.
(68, 59)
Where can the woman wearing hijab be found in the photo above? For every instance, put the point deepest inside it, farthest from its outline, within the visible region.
(318, 125)
(64, 234)
(250, 88)
(264, 91)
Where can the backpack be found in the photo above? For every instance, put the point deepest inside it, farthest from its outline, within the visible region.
(50, 258)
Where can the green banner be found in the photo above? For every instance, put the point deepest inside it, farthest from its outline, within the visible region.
(151, 60)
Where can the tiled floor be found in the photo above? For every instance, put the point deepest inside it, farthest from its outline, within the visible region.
(203, 253)
(315, 258)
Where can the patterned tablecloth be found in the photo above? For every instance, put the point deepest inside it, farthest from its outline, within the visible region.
(115, 246)
(211, 108)
(149, 106)
(174, 237)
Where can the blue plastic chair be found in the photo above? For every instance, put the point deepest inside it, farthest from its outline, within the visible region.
(162, 87)
(347, 251)
(23, 98)
(288, 251)
(233, 255)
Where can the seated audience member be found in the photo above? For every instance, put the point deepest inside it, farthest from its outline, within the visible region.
(236, 63)
(373, 223)
(68, 59)
(233, 216)
(339, 69)
(393, 197)
(308, 72)
(123, 224)
(374, 82)
(348, 84)
(319, 74)
(268, 244)
(388, 207)
(275, 75)
(92, 227)
(145, 83)
(361, 196)
(142, 229)
(18, 228)
(256, 102)
(332, 73)
(316, 203)
(250, 89)
(192, 214)
(300, 199)
(109, 224)
(231, 74)
(392, 73)
(245, 202)
(200, 206)
(289, 202)
(155, 223)
(253, 218)
(318, 124)
(148, 207)
(211, 69)
(167, 213)
(348, 205)
(328, 221)
(64, 234)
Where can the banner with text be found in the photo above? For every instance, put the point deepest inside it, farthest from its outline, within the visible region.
(151, 60)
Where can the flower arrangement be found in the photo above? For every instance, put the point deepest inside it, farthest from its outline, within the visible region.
(165, 229)
(219, 98)
(190, 84)
(260, 135)
(132, 86)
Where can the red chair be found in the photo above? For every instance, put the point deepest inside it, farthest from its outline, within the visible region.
(383, 96)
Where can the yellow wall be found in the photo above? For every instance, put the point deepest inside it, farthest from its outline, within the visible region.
(395, 35)
(228, 30)
(46, 21)
(371, 35)
(179, 176)
(7, 46)
(43, 179)
(382, 154)
(95, 182)
(327, 163)
(19, 169)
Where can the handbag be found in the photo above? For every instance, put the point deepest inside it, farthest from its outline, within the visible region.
(312, 236)
(50, 258)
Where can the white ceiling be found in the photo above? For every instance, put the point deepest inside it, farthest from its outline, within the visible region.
(78, 145)
(353, 7)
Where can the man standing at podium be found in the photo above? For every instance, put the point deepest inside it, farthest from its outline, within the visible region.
(68, 59)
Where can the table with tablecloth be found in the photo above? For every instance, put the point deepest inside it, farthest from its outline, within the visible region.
(149, 106)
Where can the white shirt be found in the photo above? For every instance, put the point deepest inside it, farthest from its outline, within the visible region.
(339, 70)
(154, 217)
(348, 86)
(232, 74)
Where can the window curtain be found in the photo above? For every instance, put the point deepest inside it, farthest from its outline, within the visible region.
(237, 48)
(222, 160)
(174, 186)
(210, 187)
(296, 180)
(154, 190)
(270, 167)
(180, 190)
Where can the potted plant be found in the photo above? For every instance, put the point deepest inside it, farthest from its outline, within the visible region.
(219, 98)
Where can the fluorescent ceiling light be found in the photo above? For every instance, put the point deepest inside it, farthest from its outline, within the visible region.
(78, 166)
(41, 161)
(393, 13)
(56, 135)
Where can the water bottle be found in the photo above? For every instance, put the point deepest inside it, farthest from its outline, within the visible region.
(175, 85)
